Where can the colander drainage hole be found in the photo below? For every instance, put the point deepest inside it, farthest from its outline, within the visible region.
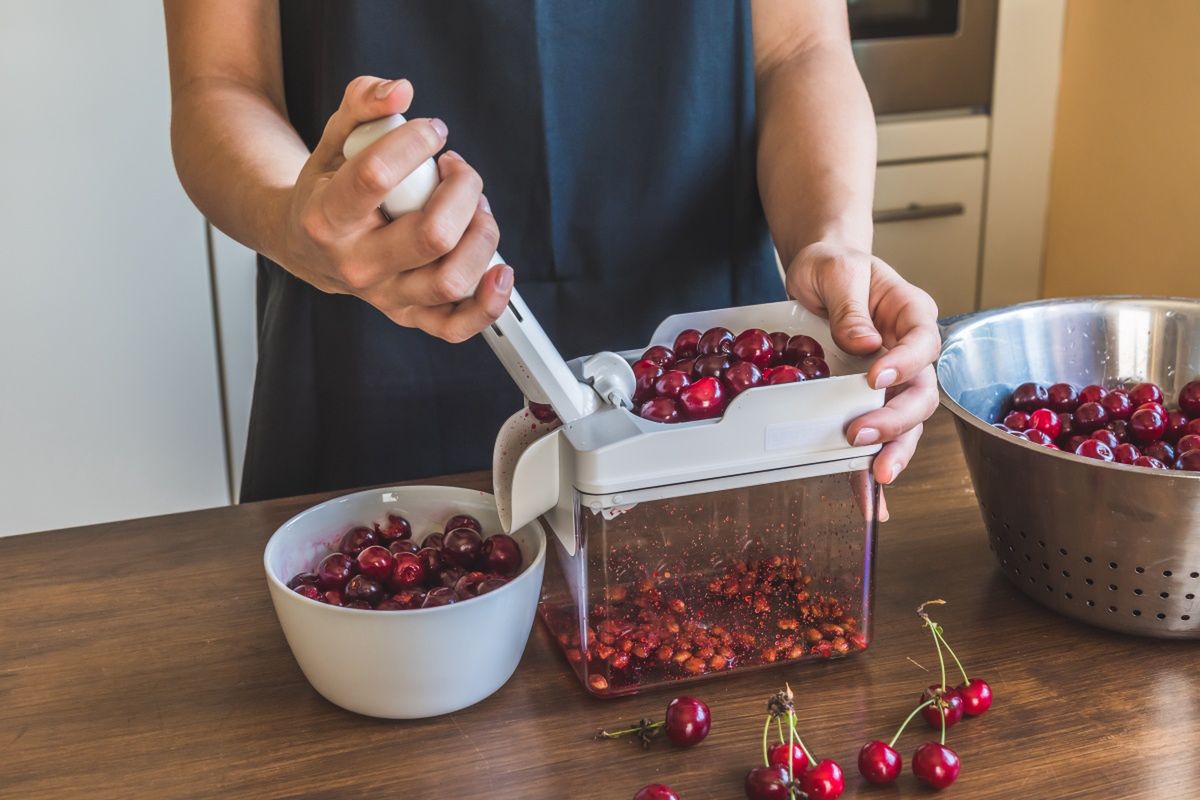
(1186, 617)
(1041, 543)
(1032, 579)
(1139, 570)
(1138, 592)
(1028, 557)
(1062, 551)
(1195, 575)
(1091, 603)
(1066, 574)
(1089, 581)
(1137, 613)
(1045, 566)
(1049, 588)
(1167, 573)
(1189, 597)
(1068, 595)
(1164, 595)
(1161, 615)
(1088, 559)
(1112, 587)
(1112, 609)
(1112, 565)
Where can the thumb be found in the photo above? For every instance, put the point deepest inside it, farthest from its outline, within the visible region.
(846, 293)
(366, 98)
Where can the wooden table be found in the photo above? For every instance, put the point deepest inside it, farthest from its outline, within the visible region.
(142, 659)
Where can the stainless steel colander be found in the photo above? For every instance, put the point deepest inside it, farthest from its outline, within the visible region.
(1111, 545)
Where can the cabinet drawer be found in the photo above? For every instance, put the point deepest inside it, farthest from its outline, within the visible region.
(927, 225)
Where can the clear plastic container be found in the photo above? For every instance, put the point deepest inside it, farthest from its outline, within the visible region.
(706, 582)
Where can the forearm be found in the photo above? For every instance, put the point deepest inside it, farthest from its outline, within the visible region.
(237, 157)
(816, 150)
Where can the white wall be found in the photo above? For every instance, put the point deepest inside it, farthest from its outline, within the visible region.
(109, 406)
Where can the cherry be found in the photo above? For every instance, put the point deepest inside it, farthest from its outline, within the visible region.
(1189, 461)
(1189, 399)
(951, 707)
(302, 578)
(686, 342)
(408, 572)
(1062, 398)
(687, 722)
(542, 412)
(715, 341)
(407, 599)
(1029, 396)
(685, 365)
(784, 373)
(1187, 443)
(1047, 422)
(360, 588)
(467, 586)
(879, 762)
(976, 696)
(824, 781)
(357, 539)
(1091, 448)
(1117, 404)
(656, 791)
(1126, 453)
(433, 540)
(800, 347)
(659, 355)
(375, 562)
(1177, 425)
(1147, 461)
(703, 399)
(441, 596)
(1068, 425)
(331, 597)
(490, 584)
(334, 570)
(1073, 443)
(671, 383)
(1090, 416)
(1017, 420)
(713, 366)
(403, 546)
(935, 764)
(660, 409)
(753, 345)
(1146, 393)
(814, 367)
(1147, 425)
(396, 527)
(1037, 437)
(1152, 406)
(777, 755)
(450, 575)
(1120, 429)
(461, 521)
(645, 373)
(1092, 394)
(1160, 450)
(779, 343)
(767, 783)
(742, 376)
(433, 560)
(307, 590)
(1106, 436)
(1193, 427)
(501, 554)
(359, 604)
(461, 546)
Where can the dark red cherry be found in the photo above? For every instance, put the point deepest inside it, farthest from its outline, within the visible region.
(449, 576)
(686, 342)
(754, 346)
(663, 356)
(1193, 427)
(408, 572)
(375, 562)
(685, 365)
(645, 373)
(307, 590)
(813, 368)
(777, 755)
(1189, 399)
(671, 383)
(1120, 429)
(1126, 453)
(715, 341)
(1073, 443)
(330, 597)
(1144, 393)
(660, 409)
(1147, 425)
(1068, 425)
(433, 540)
(441, 596)
(462, 546)
(501, 554)
(334, 570)
(767, 783)
(703, 399)
(935, 765)
(461, 521)
(656, 791)
(1160, 450)
(409, 598)
(302, 578)
(688, 721)
(1117, 404)
(742, 376)
(490, 584)
(433, 560)
(879, 762)
(1177, 423)
(1062, 398)
(403, 546)
(542, 412)
(1092, 448)
(800, 347)
(467, 586)
(784, 373)
(1187, 443)
(1189, 461)
(357, 539)
(950, 707)
(779, 342)
(1037, 437)
(1017, 420)
(710, 366)
(1090, 416)
(1047, 422)
(824, 781)
(1147, 461)
(1092, 394)
(394, 527)
(364, 589)
(1105, 435)
(1152, 406)
(359, 604)
(1029, 396)
(976, 696)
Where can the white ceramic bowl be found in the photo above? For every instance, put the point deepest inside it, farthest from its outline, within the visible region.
(403, 664)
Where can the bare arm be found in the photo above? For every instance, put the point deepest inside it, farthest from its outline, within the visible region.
(315, 214)
(816, 173)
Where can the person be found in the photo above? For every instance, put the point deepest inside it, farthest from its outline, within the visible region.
(643, 159)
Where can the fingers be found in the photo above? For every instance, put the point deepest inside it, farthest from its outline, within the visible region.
(457, 323)
(840, 284)
(895, 455)
(366, 98)
(456, 276)
(911, 335)
(914, 403)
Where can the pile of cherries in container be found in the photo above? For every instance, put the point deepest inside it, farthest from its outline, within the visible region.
(701, 373)
(380, 567)
(1127, 425)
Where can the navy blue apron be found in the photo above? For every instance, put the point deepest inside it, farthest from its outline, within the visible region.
(616, 142)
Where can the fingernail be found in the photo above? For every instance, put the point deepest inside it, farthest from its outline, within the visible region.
(385, 88)
(866, 436)
(453, 154)
(861, 332)
(504, 280)
(894, 474)
(439, 127)
(886, 378)
(484, 204)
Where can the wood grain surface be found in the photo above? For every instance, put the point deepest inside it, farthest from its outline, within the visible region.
(143, 659)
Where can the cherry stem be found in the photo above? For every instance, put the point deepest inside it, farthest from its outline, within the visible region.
(799, 741)
(779, 724)
(938, 631)
(626, 731)
(908, 719)
(942, 717)
(766, 730)
(791, 752)
(938, 644)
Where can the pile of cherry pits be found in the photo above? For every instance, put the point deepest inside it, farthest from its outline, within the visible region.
(701, 373)
(1130, 426)
(381, 568)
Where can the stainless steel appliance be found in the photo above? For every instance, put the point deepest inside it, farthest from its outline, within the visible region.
(925, 55)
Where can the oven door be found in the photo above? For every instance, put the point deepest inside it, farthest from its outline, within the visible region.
(925, 55)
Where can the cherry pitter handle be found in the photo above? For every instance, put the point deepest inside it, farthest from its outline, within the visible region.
(517, 338)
